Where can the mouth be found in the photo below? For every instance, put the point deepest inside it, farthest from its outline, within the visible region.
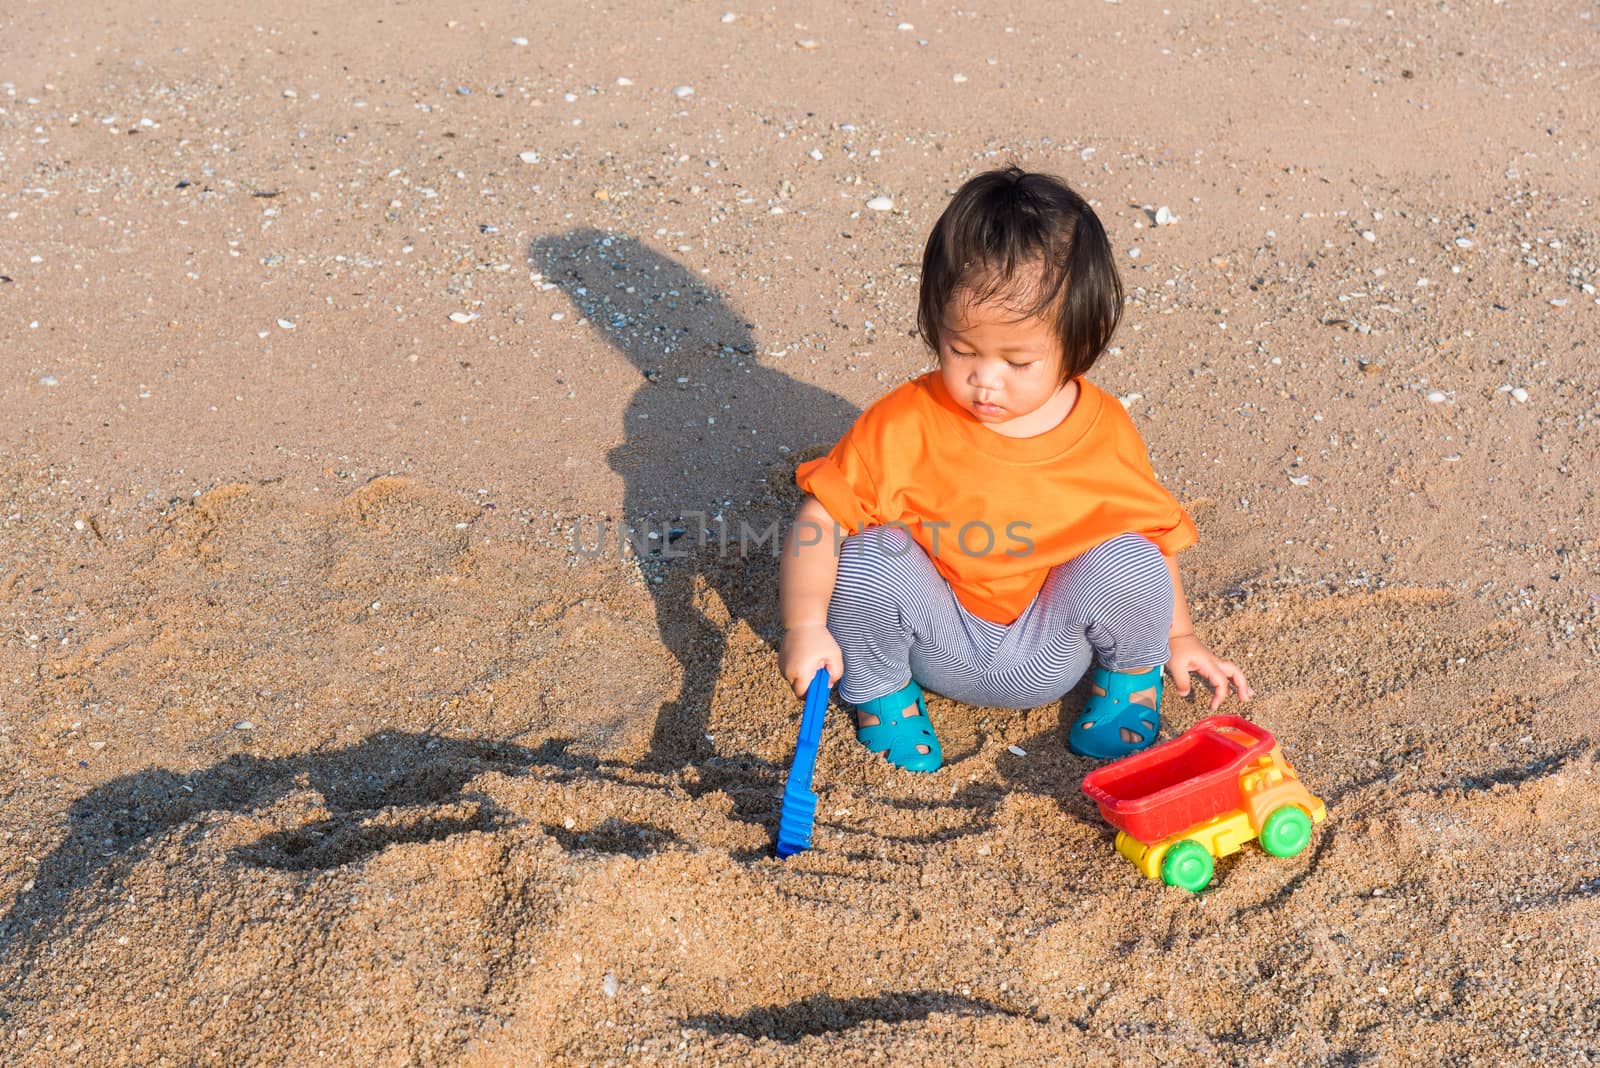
(982, 408)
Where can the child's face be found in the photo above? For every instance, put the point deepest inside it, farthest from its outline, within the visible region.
(997, 365)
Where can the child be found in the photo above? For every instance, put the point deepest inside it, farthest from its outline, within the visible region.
(992, 527)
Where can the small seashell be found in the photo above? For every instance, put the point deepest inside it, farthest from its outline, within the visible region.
(287, 324)
(244, 725)
(808, 44)
(816, 154)
(1164, 216)
(728, 16)
(683, 91)
(1519, 395)
(958, 78)
(881, 203)
(1300, 480)
(1016, 750)
(608, 985)
(519, 41)
(528, 157)
(49, 380)
(905, 26)
(1436, 397)
(1463, 242)
(624, 81)
(463, 317)
(1133, 253)
(1369, 236)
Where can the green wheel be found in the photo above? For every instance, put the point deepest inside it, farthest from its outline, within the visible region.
(1187, 866)
(1286, 831)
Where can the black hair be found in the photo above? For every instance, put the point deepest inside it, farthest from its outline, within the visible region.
(1029, 239)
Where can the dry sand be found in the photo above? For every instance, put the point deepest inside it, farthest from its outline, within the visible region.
(320, 745)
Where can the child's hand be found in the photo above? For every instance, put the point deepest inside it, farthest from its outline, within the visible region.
(1190, 654)
(805, 649)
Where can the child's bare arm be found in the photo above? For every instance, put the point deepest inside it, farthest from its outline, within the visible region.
(806, 575)
(1189, 653)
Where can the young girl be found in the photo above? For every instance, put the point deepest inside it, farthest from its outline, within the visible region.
(991, 528)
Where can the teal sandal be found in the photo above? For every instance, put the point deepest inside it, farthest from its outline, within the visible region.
(1110, 711)
(897, 736)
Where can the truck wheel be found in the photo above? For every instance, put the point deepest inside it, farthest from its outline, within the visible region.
(1286, 831)
(1188, 866)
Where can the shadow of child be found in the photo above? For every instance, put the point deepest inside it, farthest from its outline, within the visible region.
(702, 435)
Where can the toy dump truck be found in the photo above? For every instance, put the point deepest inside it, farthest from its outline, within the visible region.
(1202, 795)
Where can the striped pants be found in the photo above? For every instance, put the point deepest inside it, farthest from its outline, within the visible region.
(896, 618)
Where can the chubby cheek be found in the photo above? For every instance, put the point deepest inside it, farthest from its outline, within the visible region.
(959, 384)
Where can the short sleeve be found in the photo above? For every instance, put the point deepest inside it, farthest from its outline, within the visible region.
(1174, 531)
(1174, 537)
(843, 483)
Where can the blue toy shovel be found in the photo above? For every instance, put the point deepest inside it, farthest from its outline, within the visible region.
(799, 809)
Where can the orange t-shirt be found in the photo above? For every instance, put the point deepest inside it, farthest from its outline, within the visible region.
(995, 513)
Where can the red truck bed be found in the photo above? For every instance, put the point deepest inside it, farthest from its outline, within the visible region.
(1179, 783)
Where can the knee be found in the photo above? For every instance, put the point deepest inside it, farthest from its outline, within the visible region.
(1128, 569)
(873, 559)
(1140, 555)
(877, 550)
(892, 542)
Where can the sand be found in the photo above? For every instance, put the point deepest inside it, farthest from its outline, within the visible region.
(321, 742)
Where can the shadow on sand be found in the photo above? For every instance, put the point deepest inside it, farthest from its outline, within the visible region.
(710, 432)
(113, 827)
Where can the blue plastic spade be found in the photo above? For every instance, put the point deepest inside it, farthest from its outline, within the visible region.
(799, 809)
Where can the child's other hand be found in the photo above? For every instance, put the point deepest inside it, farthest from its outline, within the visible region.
(1190, 654)
(806, 648)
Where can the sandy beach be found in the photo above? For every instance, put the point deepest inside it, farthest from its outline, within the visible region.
(332, 732)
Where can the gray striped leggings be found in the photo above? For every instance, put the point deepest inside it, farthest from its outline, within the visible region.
(896, 618)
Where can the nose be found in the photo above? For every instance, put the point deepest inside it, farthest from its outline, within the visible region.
(983, 376)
